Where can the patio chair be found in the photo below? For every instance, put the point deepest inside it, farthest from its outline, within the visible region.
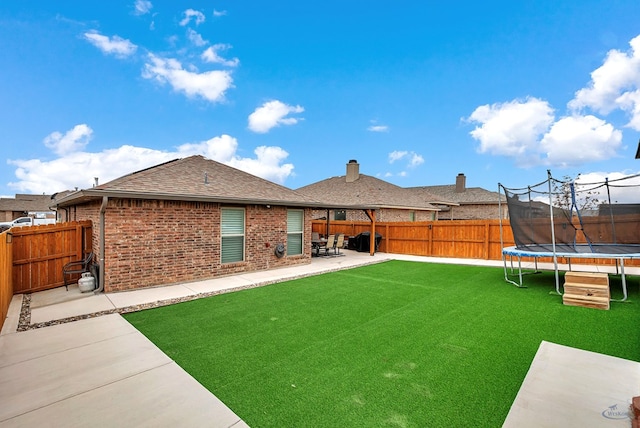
(77, 267)
(331, 242)
(339, 244)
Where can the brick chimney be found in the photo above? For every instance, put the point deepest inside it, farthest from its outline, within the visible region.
(353, 171)
(461, 183)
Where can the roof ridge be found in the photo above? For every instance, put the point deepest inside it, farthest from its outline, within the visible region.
(138, 173)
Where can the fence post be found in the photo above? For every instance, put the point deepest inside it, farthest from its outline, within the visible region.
(6, 274)
(486, 239)
(79, 242)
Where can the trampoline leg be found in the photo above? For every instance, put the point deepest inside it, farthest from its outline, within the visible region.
(520, 269)
(506, 274)
(624, 283)
(504, 264)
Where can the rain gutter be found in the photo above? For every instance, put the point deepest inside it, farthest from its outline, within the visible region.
(103, 208)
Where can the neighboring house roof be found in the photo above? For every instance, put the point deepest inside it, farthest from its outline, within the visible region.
(194, 178)
(26, 203)
(469, 195)
(366, 190)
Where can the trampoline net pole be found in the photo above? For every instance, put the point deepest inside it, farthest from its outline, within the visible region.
(553, 234)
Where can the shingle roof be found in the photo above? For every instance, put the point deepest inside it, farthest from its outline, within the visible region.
(367, 190)
(471, 195)
(24, 202)
(194, 178)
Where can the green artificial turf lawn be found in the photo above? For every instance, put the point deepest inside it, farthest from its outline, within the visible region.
(399, 344)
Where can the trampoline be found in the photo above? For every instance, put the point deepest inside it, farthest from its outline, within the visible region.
(570, 220)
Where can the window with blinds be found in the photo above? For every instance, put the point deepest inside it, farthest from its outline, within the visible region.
(232, 230)
(295, 226)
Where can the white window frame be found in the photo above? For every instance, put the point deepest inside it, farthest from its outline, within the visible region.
(236, 235)
(295, 233)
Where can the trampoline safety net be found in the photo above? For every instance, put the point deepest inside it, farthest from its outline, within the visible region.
(579, 216)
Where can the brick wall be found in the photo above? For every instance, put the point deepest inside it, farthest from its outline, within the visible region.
(462, 212)
(472, 212)
(384, 214)
(149, 243)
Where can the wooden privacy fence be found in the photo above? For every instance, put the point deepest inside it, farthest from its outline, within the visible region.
(472, 239)
(469, 239)
(6, 285)
(40, 252)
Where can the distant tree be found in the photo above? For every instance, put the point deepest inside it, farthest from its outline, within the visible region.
(585, 199)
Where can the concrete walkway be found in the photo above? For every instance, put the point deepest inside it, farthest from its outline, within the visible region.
(86, 366)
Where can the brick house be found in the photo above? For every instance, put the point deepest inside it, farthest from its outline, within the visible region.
(190, 219)
(472, 203)
(26, 205)
(394, 203)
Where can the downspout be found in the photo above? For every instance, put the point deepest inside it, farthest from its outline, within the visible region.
(103, 208)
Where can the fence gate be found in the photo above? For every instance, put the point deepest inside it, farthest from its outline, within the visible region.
(40, 252)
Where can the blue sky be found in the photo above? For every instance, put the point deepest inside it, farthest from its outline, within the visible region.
(416, 91)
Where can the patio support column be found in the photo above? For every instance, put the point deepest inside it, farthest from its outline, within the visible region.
(372, 239)
(328, 221)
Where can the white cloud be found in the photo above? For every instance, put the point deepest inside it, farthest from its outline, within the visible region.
(196, 38)
(576, 140)
(211, 55)
(416, 160)
(397, 155)
(191, 14)
(512, 128)
(38, 176)
(209, 85)
(630, 102)
(272, 114)
(267, 164)
(413, 160)
(528, 132)
(614, 85)
(142, 7)
(374, 127)
(218, 13)
(623, 186)
(221, 149)
(115, 45)
(72, 141)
